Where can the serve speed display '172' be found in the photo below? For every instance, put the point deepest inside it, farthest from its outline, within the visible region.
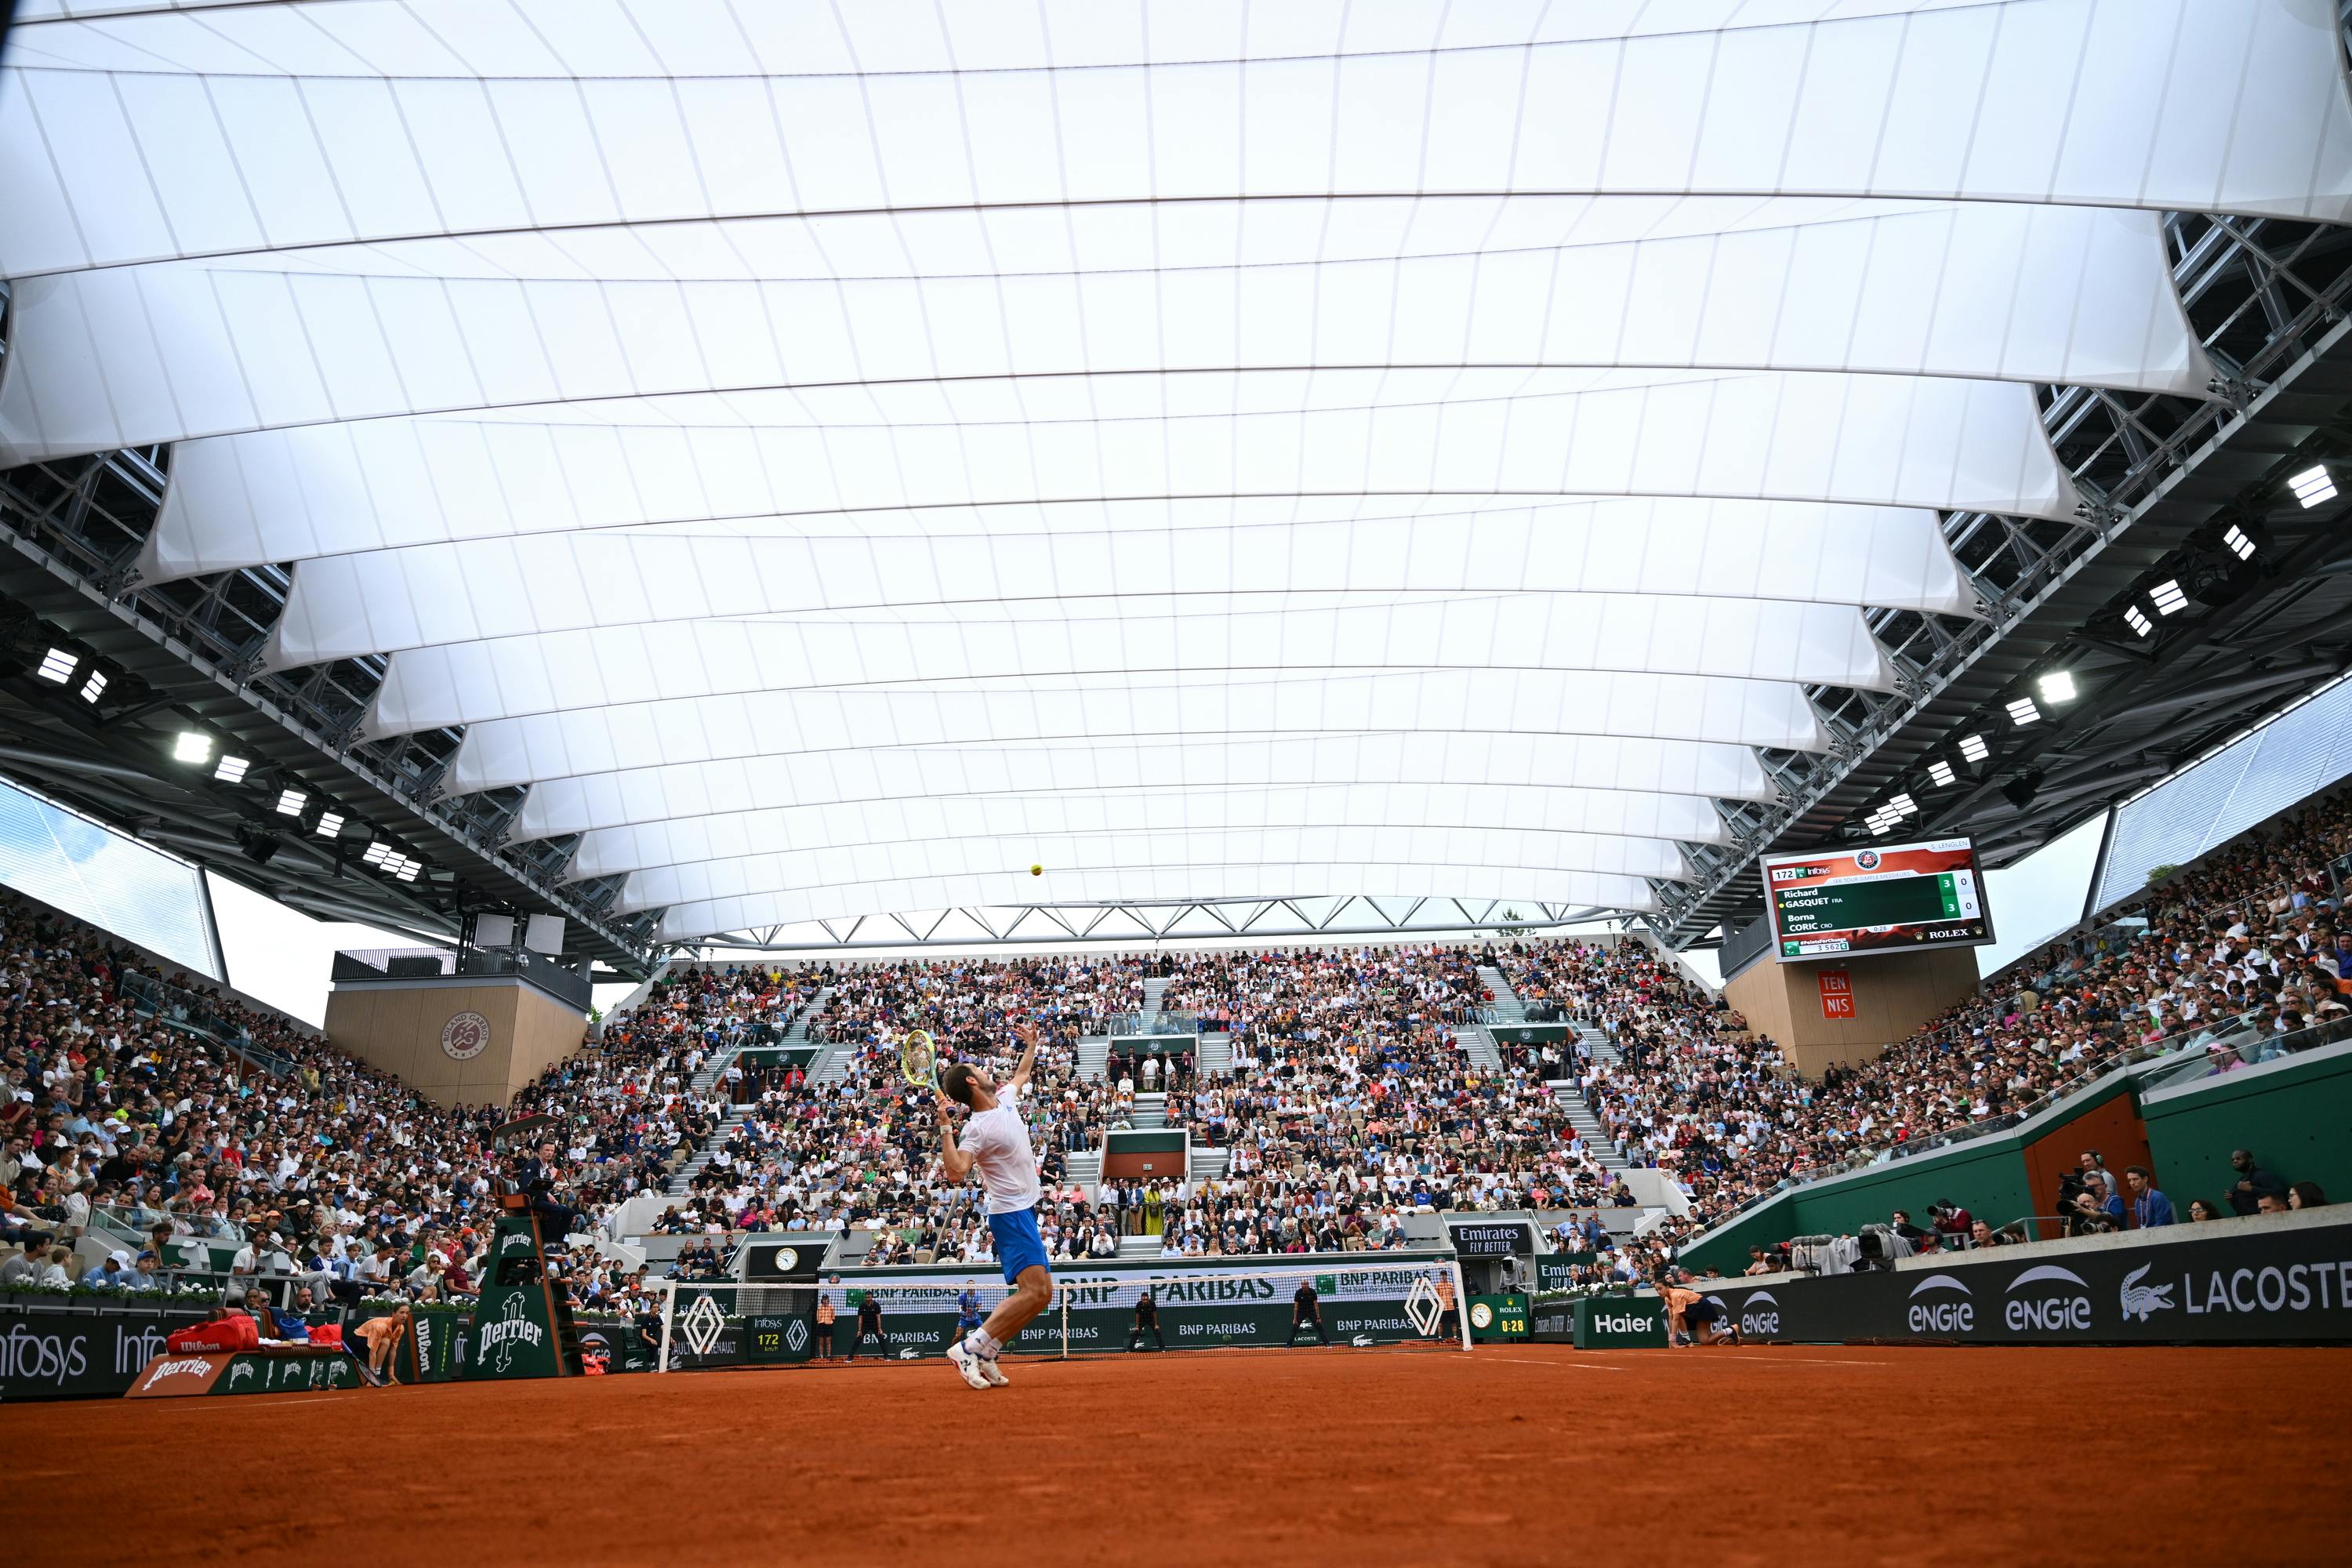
(1904, 898)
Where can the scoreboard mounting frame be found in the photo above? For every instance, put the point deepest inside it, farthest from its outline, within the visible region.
(1871, 899)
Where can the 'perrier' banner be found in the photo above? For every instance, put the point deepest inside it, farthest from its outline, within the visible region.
(514, 1333)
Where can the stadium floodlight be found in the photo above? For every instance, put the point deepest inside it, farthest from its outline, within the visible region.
(1941, 772)
(376, 854)
(94, 687)
(2023, 713)
(2137, 618)
(2312, 487)
(2168, 599)
(2241, 545)
(57, 666)
(408, 869)
(2058, 686)
(232, 769)
(330, 824)
(290, 802)
(1902, 806)
(193, 746)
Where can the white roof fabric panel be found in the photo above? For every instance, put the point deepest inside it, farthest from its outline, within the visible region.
(478, 124)
(428, 689)
(581, 793)
(833, 457)
(350, 604)
(129, 356)
(1596, 815)
(1110, 853)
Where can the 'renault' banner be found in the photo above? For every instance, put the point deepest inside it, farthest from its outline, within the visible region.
(2269, 1279)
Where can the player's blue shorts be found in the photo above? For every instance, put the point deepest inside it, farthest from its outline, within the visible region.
(1018, 1245)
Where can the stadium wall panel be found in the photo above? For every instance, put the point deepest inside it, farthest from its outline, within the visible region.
(2294, 1113)
(1991, 1176)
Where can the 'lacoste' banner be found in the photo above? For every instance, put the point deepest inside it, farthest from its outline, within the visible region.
(2266, 1279)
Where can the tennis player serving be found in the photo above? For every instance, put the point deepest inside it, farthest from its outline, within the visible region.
(995, 1142)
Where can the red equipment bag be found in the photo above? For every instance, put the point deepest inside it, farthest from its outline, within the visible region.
(233, 1332)
(330, 1335)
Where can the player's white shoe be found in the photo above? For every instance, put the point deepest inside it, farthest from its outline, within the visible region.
(966, 1364)
(991, 1370)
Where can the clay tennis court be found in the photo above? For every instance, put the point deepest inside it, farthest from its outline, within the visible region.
(1539, 1454)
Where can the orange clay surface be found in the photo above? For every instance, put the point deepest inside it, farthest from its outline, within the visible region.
(1306, 1458)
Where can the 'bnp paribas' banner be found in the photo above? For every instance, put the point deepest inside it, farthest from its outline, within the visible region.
(1201, 1306)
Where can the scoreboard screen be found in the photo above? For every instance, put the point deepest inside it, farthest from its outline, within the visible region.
(1904, 898)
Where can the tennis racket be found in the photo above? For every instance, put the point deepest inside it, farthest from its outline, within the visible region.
(918, 1058)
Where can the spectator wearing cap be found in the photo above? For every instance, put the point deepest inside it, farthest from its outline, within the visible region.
(2149, 1207)
(113, 1272)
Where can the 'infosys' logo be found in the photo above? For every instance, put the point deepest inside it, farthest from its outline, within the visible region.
(2048, 1311)
(1941, 1315)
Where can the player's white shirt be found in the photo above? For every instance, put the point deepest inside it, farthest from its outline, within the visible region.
(998, 1141)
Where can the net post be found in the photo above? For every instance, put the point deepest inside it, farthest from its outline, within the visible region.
(1461, 1303)
(669, 1315)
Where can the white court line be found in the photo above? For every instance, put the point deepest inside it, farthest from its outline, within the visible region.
(1586, 1366)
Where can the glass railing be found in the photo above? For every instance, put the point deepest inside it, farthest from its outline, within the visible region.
(136, 1223)
(195, 1013)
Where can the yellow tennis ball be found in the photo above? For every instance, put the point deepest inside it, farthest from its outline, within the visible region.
(1036, 871)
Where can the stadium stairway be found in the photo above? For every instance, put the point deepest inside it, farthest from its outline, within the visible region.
(679, 1183)
(1509, 1008)
(1207, 1162)
(1134, 1247)
(1479, 1046)
(1153, 989)
(1581, 1114)
(1216, 1053)
(1094, 1056)
(1084, 1170)
(1150, 1110)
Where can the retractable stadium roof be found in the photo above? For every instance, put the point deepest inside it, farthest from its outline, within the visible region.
(834, 459)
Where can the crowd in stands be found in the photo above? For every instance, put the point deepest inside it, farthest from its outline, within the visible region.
(2228, 959)
(251, 1147)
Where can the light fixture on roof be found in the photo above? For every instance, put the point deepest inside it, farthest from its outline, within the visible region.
(57, 666)
(2241, 545)
(2023, 713)
(1974, 749)
(2313, 486)
(193, 746)
(330, 823)
(232, 769)
(2058, 686)
(1941, 772)
(2137, 618)
(2168, 597)
(1902, 806)
(94, 687)
(408, 869)
(376, 854)
(290, 802)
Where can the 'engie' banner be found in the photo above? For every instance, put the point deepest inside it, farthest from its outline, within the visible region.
(1360, 1302)
(2267, 1279)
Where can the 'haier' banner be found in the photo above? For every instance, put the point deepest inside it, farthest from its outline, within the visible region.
(2263, 1281)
